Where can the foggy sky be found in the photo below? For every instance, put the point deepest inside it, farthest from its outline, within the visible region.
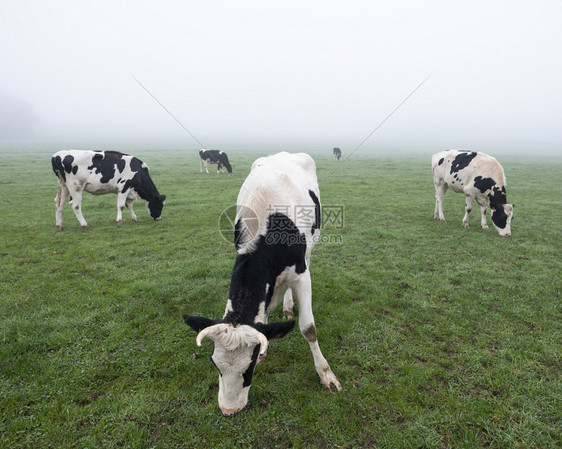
(301, 74)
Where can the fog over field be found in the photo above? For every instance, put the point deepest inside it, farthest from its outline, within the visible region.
(252, 75)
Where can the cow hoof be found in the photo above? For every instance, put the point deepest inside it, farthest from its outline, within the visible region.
(119, 223)
(331, 383)
(60, 227)
(465, 225)
(442, 220)
(136, 220)
(333, 387)
(85, 227)
(485, 228)
(287, 315)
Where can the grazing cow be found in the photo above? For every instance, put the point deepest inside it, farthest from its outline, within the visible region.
(336, 152)
(480, 177)
(277, 223)
(100, 172)
(214, 157)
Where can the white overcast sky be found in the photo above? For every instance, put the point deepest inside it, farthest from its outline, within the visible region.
(297, 73)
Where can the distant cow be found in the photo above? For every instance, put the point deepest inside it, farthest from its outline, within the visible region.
(214, 157)
(480, 177)
(336, 152)
(100, 172)
(277, 223)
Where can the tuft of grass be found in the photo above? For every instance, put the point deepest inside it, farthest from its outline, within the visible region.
(442, 337)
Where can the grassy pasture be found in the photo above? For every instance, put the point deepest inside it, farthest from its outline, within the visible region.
(442, 337)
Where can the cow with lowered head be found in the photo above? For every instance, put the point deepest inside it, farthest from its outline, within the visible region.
(101, 172)
(274, 237)
(480, 177)
(214, 157)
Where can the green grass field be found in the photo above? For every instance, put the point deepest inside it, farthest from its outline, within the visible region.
(442, 337)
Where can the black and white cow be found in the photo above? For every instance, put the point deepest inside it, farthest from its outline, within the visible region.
(214, 157)
(336, 152)
(101, 172)
(277, 223)
(480, 177)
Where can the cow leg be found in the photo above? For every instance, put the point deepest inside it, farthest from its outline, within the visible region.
(468, 208)
(206, 168)
(483, 218)
(440, 190)
(218, 168)
(60, 201)
(76, 204)
(288, 305)
(483, 205)
(121, 201)
(129, 204)
(303, 291)
(200, 165)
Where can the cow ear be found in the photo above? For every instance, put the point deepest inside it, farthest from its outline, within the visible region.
(492, 207)
(275, 330)
(198, 323)
(162, 198)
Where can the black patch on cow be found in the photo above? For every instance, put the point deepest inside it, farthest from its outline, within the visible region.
(239, 232)
(441, 161)
(104, 164)
(282, 246)
(121, 165)
(249, 373)
(484, 184)
(67, 163)
(499, 217)
(462, 161)
(317, 212)
(63, 166)
(498, 196)
(58, 169)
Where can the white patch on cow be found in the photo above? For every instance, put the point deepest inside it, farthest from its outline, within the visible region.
(261, 317)
(282, 283)
(229, 307)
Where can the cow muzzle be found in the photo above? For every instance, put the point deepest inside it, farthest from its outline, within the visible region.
(158, 219)
(229, 412)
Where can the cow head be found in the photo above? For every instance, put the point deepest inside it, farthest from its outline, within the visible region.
(236, 352)
(501, 218)
(155, 206)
